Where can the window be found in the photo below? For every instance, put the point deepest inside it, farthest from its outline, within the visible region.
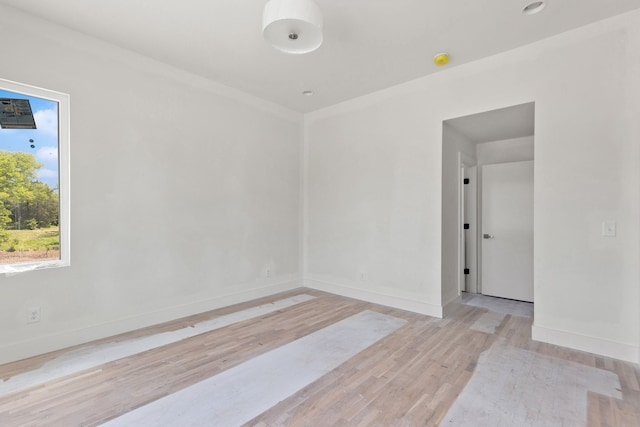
(34, 178)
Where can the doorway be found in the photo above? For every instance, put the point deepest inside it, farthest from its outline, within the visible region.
(491, 257)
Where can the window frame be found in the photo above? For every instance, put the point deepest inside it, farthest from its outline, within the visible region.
(64, 137)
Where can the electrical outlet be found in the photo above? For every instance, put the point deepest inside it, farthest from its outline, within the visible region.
(33, 315)
(609, 228)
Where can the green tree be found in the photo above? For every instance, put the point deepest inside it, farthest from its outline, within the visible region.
(21, 194)
(43, 207)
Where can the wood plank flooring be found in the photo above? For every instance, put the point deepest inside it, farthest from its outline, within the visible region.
(410, 378)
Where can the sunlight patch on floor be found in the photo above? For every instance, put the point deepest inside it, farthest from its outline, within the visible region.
(516, 387)
(243, 392)
(95, 355)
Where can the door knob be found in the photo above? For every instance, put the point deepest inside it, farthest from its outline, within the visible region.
(487, 236)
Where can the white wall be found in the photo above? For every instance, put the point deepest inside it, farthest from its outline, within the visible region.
(183, 192)
(374, 182)
(365, 213)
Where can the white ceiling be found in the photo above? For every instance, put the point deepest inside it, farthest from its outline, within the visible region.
(497, 125)
(368, 44)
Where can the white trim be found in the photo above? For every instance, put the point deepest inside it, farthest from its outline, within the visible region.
(57, 341)
(617, 350)
(408, 304)
(304, 200)
(466, 162)
(460, 211)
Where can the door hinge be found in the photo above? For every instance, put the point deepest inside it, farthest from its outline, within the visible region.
(466, 271)
(466, 226)
(466, 180)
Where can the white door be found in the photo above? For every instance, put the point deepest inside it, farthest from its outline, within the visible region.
(507, 230)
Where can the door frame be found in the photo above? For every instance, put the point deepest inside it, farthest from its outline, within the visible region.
(466, 161)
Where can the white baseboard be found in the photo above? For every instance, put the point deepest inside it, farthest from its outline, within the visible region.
(64, 339)
(616, 350)
(375, 297)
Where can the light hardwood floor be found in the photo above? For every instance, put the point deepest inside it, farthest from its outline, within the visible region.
(410, 378)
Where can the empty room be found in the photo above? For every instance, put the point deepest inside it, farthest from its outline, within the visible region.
(319, 213)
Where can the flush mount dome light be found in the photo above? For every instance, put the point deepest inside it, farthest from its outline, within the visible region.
(292, 26)
(533, 7)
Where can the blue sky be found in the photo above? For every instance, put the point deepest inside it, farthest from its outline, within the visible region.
(45, 137)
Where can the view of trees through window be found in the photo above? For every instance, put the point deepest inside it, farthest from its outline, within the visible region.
(29, 183)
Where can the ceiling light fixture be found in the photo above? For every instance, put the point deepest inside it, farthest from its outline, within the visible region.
(533, 7)
(292, 26)
(441, 59)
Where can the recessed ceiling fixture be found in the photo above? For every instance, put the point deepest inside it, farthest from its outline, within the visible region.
(533, 7)
(292, 26)
(441, 59)
(308, 93)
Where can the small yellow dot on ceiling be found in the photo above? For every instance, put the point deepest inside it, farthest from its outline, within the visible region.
(441, 59)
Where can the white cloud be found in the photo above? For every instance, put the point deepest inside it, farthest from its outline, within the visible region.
(47, 121)
(44, 174)
(47, 155)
